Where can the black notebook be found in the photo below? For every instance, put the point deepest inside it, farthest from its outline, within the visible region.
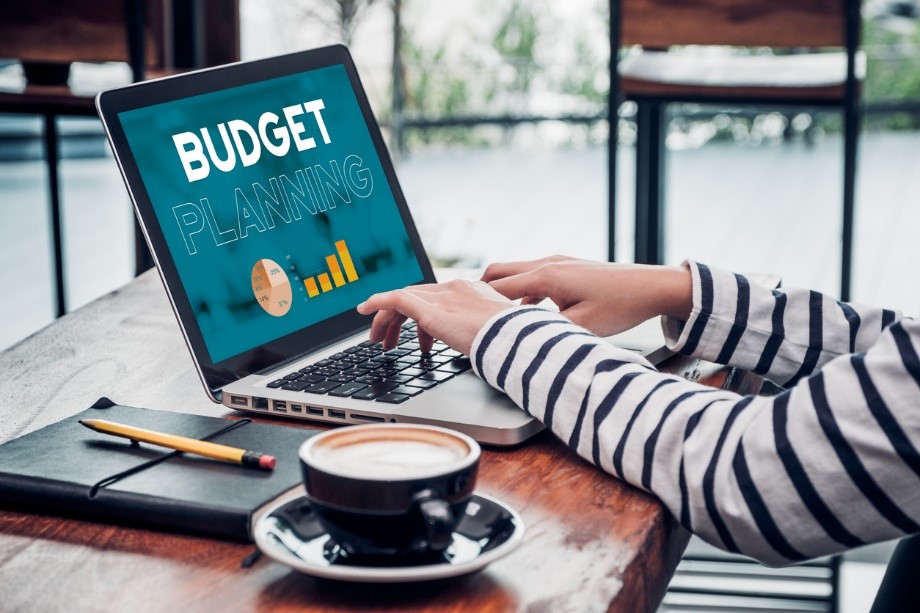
(66, 468)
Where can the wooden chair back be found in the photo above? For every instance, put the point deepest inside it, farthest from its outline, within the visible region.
(63, 31)
(744, 23)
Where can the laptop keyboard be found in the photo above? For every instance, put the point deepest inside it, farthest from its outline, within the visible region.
(367, 372)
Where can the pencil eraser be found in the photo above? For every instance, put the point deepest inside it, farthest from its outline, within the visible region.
(267, 461)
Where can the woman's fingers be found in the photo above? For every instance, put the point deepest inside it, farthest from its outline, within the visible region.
(425, 340)
(500, 270)
(393, 308)
(451, 312)
(381, 324)
(532, 284)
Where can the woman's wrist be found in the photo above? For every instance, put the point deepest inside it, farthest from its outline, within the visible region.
(675, 290)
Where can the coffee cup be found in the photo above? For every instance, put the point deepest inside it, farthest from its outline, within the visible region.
(389, 489)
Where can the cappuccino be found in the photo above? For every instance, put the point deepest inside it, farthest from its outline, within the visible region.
(390, 453)
(390, 489)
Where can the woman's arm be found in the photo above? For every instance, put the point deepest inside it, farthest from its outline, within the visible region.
(831, 464)
(708, 313)
(782, 335)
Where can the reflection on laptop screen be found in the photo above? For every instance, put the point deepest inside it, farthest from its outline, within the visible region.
(274, 205)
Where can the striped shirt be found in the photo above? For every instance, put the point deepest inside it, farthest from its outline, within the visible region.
(829, 464)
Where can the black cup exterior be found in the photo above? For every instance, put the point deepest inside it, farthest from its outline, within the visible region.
(382, 517)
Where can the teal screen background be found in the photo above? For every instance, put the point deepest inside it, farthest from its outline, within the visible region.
(217, 279)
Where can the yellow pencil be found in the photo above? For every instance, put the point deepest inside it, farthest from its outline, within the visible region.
(182, 443)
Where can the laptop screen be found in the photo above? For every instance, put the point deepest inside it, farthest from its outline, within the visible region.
(273, 203)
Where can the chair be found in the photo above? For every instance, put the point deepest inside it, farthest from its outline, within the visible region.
(652, 78)
(152, 36)
(707, 579)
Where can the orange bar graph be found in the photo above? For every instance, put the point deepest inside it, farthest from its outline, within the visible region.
(328, 281)
(349, 266)
(337, 277)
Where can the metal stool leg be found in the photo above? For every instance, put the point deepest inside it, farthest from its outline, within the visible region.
(850, 137)
(54, 197)
(650, 154)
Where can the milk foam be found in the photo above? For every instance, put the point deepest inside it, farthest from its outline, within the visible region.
(388, 459)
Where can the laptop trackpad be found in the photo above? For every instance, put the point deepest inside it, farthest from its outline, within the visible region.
(468, 401)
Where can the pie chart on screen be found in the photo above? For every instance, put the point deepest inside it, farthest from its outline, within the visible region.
(271, 287)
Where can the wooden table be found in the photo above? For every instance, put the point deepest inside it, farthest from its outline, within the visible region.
(593, 543)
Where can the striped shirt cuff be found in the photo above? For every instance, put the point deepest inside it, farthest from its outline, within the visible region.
(712, 319)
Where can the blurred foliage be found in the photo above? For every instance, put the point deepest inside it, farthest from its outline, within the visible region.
(340, 17)
(516, 43)
(436, 88)
(431, 91)
(587, 77)
(500, 71)
(893, 73)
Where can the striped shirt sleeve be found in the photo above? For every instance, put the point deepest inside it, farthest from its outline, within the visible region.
(782, 335)
(829, 464)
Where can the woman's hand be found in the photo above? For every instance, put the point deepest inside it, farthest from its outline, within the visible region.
(453, 312)
(605, 298)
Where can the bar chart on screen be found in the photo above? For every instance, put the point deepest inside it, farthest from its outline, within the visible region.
(341, 270)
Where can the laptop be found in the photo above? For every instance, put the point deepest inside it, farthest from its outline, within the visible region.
(271, 208)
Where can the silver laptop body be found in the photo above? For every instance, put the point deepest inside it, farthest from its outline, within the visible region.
(163, 134)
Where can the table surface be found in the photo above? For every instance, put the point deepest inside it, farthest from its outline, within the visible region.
(592, 542)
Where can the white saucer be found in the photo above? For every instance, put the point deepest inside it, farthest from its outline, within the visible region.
(304, 548)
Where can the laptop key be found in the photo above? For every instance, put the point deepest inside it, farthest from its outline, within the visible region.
(341, 378)
(408, 391)
(453, 353)
(457, 366)
(436, 375)
(393, 398)
(295, 386)
(347, 390)
(311, 378)
(322, 387)
(421, 384)
(275, 384)
(372, 391)
(426, 364)
(412, 372)
(397, 353)
(291, 376)
(398, 379)
(369, 379)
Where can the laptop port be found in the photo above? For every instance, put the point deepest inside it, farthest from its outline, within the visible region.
(314, 411)
(241, 401)
(260, 403)
(279, 405)
(338, 414)
(366, 417)
(296, 408)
